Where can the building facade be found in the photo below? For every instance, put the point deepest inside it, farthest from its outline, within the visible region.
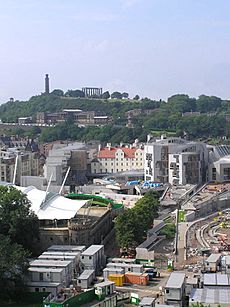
(117, 159)
(175, 161)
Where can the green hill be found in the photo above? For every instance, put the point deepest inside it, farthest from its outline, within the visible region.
(205, 118)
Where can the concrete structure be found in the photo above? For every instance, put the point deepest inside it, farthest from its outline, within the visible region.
(61, 157)
(24, 120)
(92, 91)
(47, 84)
(85, 279)
(176, 161)
(212, 263)
(27, 165)
(117, 159)
(219, 171)
(175, 289)
(93, 258)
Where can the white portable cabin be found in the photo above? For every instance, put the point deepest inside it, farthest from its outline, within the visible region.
(50, 287)
(147, 302)
(66, 265)
(175, 289)
(85, 279)
(111, 271)
(212, 263)
(66, 248)
(52, 275)
(135, 268)
(93, 258)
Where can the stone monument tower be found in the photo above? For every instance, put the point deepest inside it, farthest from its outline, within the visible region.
(47, 84)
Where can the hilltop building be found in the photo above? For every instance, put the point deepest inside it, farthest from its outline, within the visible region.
(92, 91)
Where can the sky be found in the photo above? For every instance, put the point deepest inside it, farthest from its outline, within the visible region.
(154, 48)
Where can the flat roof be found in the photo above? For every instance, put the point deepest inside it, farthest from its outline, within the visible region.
(175, 280)
(210, 279)
(69, 248)
(120, 270)
(72, 110)
(56, 253)
(123, 264)
(54, 257)
(210, 296)
(104, 283)
(92, 250)
(50, 263)
(147, 300)
(55, 270)
(215, 279)
(213, 258)
(86, 274)
(42, 284)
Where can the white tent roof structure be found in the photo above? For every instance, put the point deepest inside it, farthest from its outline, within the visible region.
(51, 206)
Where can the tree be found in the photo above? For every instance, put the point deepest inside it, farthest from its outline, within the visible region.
(206, 104)
(57, 92)
(13, 266)
(136, 97)
(125, 95)
(106, 95)
(131, 227)
(116, 95)
(75, 93)
(17, 221)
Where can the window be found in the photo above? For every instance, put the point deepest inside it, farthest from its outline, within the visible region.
(44, 289)
(51, 239)
(82, 257)
(167, 290)
(227, 173)
(90, 257)
(36, 289)
(79, 281)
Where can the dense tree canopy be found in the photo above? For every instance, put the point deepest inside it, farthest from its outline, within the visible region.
(18, 231)
(202, 118)
(17, 221)
(13, 266)
(131, 227)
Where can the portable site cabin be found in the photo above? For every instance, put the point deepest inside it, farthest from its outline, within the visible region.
(85, 279)
(212, 263)
(175, 289)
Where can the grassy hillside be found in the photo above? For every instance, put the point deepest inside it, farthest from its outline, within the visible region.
(10, 111)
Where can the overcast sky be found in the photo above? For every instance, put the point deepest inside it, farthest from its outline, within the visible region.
(153, 48)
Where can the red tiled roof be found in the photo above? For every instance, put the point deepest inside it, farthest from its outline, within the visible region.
(106, 153)
(110, 153)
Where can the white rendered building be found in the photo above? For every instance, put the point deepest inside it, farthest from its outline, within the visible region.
(118, 159)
